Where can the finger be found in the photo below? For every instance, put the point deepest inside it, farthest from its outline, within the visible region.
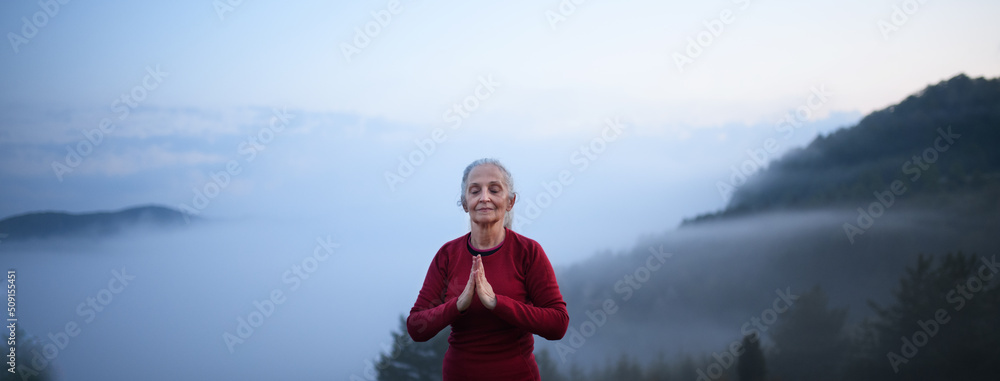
(482, 282)
(480, 279)
(472, 279)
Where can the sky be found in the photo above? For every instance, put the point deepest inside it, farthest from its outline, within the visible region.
(369, 90)
(355, 120)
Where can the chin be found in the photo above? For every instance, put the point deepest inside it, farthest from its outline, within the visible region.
(485, 220)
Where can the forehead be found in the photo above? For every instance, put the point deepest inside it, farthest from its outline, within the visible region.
(485, 174)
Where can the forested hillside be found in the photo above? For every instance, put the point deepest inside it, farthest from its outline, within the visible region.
(943, 139)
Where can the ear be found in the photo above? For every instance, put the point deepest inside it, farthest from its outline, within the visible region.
(512, 200)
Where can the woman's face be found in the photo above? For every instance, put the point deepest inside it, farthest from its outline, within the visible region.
(486, 195)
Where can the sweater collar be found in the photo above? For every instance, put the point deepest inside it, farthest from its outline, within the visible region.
(487, 252)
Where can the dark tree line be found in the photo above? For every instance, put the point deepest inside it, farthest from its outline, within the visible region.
(942, 326)
(943, 323)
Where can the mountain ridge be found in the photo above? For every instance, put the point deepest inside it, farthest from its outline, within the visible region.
(846, 166)
(57, 224)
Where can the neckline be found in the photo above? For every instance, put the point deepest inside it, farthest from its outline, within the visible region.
(487, 252)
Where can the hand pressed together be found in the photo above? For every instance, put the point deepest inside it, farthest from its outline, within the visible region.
(465, 299)
(479, 285)
(483, 288)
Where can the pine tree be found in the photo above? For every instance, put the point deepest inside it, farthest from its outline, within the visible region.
(809, 340)
(626, 369)
(413, 361)
(910, 342)
(546, 367)
(750, 366)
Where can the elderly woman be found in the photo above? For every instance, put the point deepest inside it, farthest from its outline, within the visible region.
(493, 286)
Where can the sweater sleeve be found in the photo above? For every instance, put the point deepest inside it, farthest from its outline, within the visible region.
(546, 316)
(431, 312)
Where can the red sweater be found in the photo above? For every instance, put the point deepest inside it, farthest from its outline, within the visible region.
(485, 344)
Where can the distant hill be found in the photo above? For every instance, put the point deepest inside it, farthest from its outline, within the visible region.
(43, 225)
(895, 143)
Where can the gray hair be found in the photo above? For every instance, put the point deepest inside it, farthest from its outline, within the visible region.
(508, 219)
